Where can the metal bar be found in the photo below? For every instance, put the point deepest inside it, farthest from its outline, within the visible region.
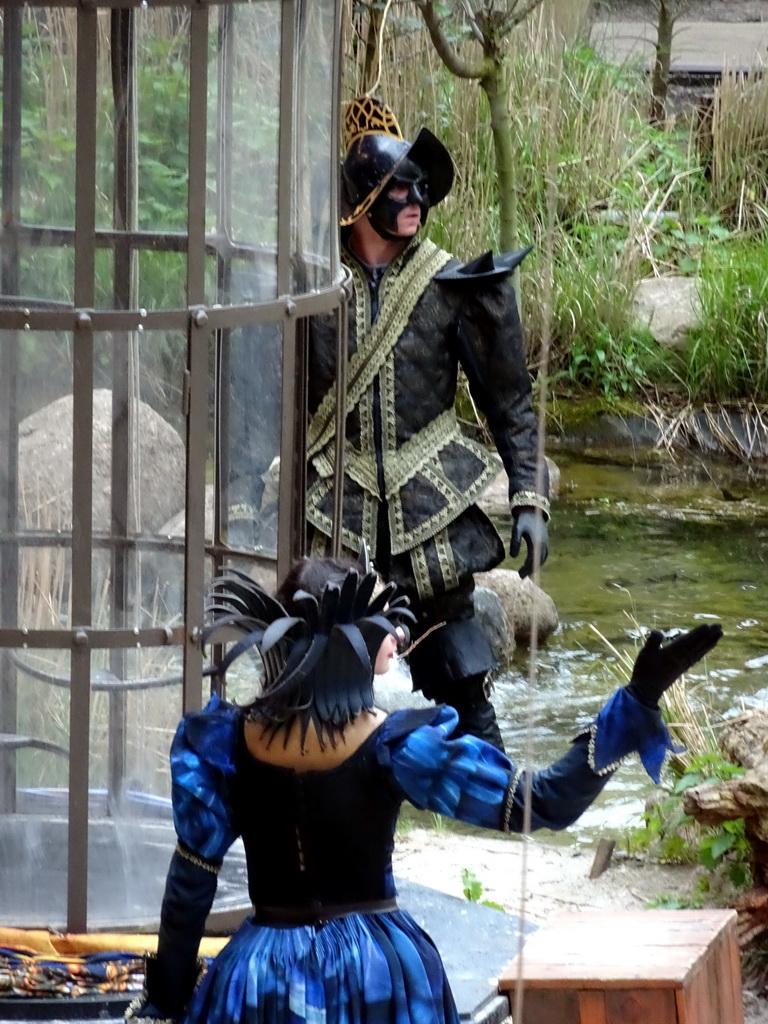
(285, 219)
(11, 170)
(198, 124)
(224, 134)
(298, 508)
(335, 179)
(198, 339)
(194, 540)
(341, 424)
(342, 313)
(286, 179)
(65, 319)
(108, 4)
(95, 639)
(122, 57)
(286, 486)
(9, 383)
(82, 463)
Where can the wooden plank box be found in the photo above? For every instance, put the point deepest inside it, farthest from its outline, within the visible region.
(630, 967)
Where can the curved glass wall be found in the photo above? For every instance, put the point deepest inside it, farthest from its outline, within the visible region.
(168, 185)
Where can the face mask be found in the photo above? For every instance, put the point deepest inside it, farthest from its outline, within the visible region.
(385, 211)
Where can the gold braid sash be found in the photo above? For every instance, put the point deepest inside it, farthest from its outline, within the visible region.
(401, 296)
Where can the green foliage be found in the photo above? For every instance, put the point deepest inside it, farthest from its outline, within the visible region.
(610, 366)
(727, 357)
(674, 837)
(606, 200)
(473, 889)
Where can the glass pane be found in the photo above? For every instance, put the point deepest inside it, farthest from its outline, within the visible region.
(43, 374)
(315, 255)
(34, 766)
(44, 274)
(161, 280)
(48, 99)
(243, 191)
(139, 470)
(251, 439)
(162, 85)
(38, 509)
(135, 707)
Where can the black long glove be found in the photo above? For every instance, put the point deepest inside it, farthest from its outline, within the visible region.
(657, 667)
(171, 975)
(529, 525)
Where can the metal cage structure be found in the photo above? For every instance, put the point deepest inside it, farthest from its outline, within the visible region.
(169, 181)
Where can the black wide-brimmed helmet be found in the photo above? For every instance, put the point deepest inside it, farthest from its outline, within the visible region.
(376, 153)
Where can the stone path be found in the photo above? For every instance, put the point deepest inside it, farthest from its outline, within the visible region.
(697, 45)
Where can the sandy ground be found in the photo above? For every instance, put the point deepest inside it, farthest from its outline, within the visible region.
(555, 878)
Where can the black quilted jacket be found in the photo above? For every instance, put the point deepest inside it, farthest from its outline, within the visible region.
(403, 443)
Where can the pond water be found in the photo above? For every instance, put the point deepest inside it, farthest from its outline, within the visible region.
(664, 546)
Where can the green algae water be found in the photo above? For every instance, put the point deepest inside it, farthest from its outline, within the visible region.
(660, 547)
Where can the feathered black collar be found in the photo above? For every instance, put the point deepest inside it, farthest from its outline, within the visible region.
(318, 663)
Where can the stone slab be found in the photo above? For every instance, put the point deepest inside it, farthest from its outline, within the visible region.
(475, 942)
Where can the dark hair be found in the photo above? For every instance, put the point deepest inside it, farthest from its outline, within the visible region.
(312, 576)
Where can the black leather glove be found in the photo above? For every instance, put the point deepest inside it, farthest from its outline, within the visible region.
(529, 525)
(657, 667)
(171, 975)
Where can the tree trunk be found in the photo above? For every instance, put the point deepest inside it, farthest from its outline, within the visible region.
(661, 66)
(494, 86)
(744, 741)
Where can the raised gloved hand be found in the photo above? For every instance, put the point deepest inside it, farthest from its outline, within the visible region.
(529, 525)
(657, 667)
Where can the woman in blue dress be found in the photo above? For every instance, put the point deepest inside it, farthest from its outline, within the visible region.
(312, 775)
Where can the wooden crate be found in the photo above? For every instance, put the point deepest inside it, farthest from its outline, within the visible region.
(630, 967)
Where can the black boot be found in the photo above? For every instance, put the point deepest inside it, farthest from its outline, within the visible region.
(477, 716)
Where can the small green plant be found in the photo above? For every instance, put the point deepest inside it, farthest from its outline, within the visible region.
(671, 901)
(473, 889)
(675, 837)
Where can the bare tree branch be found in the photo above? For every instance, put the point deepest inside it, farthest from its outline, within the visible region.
(445, 51)
(516, 15)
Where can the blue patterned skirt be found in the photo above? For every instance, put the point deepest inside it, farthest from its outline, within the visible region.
(361, 969)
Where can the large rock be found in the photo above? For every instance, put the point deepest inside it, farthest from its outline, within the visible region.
(164, 571)
(669, 307)
(523, 602)
(45, 467)
(493, 618)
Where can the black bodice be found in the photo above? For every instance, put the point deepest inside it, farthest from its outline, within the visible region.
(316, 838)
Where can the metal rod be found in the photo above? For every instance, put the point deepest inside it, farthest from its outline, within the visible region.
(122, 56)
(198, 340)
(82, 462)
(9, 386)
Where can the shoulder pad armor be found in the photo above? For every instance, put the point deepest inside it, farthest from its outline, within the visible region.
(487, 268)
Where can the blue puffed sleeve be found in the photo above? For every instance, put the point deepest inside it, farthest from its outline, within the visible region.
(202, 765)
(624, 726)
(471, 780)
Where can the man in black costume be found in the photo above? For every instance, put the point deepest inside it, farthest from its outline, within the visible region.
(411, 477)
